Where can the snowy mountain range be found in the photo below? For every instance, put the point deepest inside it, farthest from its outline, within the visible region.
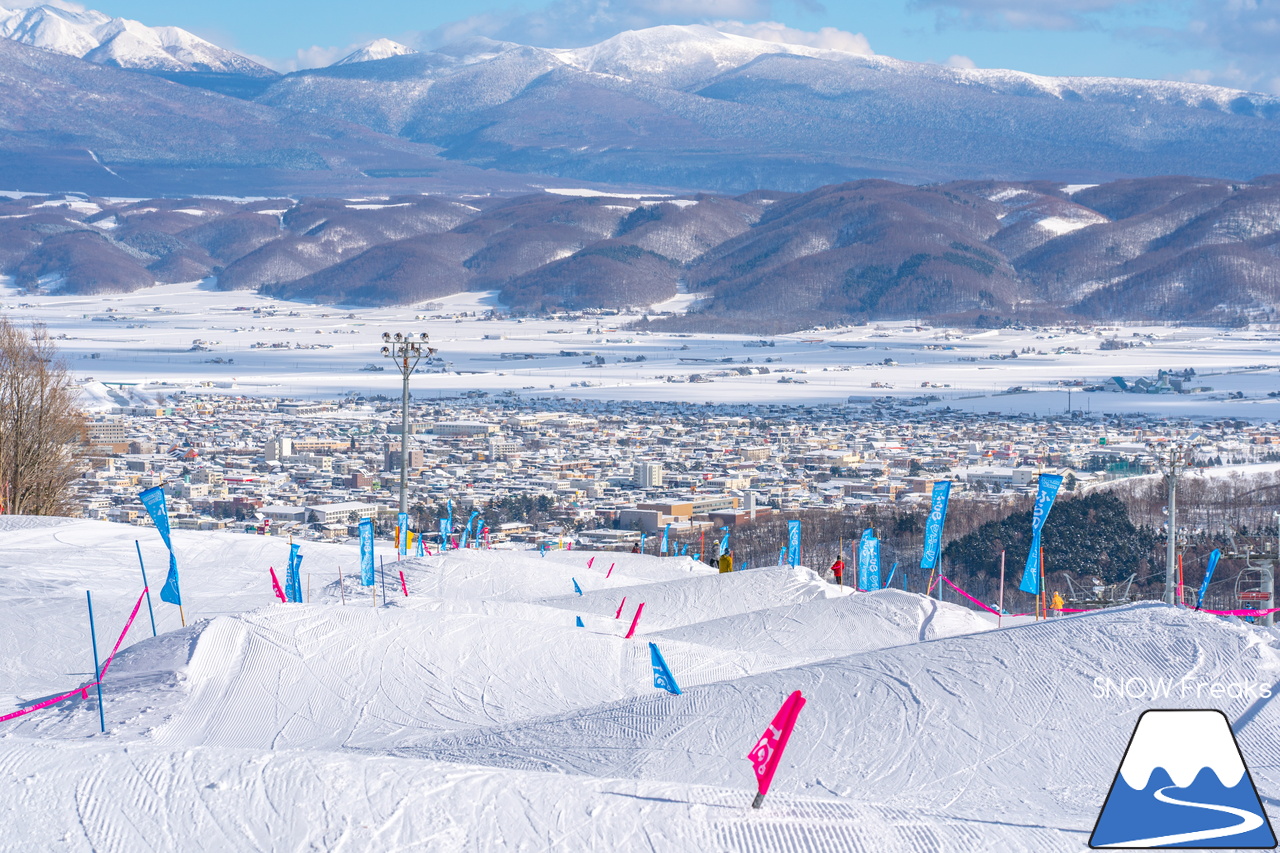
(690, 107)
(685, 108)
(121, 42)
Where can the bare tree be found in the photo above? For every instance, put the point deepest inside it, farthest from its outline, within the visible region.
(41, 425)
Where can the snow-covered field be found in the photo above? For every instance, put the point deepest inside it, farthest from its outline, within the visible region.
(474, 715)
(145, 339)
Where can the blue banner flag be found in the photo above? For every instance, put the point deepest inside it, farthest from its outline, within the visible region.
(421, 548)
(724, 543)
(444, 534)
(782, 556)
(578, 622)
(1049, 485)
(933, 526)
(642, 537)
(297, 580)
(466, 532)
(1208, 576)
(793, 542)
(366, 551)
(576, 588)
(893, 571)
(291, 583)
(662, 677)
(869, 561)
(157, 507)
(666, 532)
(402, 534)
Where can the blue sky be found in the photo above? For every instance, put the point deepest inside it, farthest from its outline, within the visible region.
(1228, 42)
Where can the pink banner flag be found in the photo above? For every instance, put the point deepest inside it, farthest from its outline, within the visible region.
(611, 565)
(275, 584)
(404, 586)
(621, 604)
(589, 562)
(634, 622)
(767, 753)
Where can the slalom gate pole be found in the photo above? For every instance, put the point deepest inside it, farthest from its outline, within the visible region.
(182, 616)
(308, 586)
(146, 586)
(1000, 615)
(382, 563)
(342, 592)
(97, 671)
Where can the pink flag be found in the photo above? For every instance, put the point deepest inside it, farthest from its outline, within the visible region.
(611, 565)
(618, 615)
(275, 584)
(767, 753)
(634, 622)
(404, 586)
(589, 562)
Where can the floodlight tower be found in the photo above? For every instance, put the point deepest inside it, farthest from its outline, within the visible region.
(406, 351)
(1172, 459)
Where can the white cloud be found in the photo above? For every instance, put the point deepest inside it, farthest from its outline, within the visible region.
(827, 38)
(958, 61)
(1023, 14)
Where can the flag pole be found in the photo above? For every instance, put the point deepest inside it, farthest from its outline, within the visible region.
(342, 592)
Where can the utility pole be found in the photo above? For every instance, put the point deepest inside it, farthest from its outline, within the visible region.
(406, 352)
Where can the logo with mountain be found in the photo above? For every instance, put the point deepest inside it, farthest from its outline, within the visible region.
(1183, 783)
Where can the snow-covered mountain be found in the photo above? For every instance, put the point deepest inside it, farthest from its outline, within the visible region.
(374, 50)
(121, 42)
(691, 107)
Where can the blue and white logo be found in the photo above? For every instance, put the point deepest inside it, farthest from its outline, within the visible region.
(1183, 783)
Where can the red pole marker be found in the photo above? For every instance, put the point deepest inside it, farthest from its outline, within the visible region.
(618, 615)
(404, 586)
(767, 753)
(611, 565)
(589, 562)
(634, 622)
(275, 584)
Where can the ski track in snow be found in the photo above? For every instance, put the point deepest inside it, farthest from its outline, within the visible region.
(475, 715)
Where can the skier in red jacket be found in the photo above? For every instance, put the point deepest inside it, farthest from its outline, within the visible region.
(837, 569)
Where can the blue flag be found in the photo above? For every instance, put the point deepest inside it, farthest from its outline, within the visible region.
(724, 543)
(933, 526)
(893, 571)
(291, 583)
(782, 555)
(1049, 485)
(869, 561)
(1208, 576)
(157, 507)
(366, 551)
(642, 537)
(578, 622)
(662, 677)
(576, 588)
(793, 542)
(666, 532)
(402, 535)
(466, 532)
(421, 548)
(444, 534)
(297, 580)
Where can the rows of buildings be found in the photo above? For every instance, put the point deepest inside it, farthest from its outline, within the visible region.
(600, 473)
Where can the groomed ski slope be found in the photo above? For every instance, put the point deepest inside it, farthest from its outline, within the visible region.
(474, 714)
